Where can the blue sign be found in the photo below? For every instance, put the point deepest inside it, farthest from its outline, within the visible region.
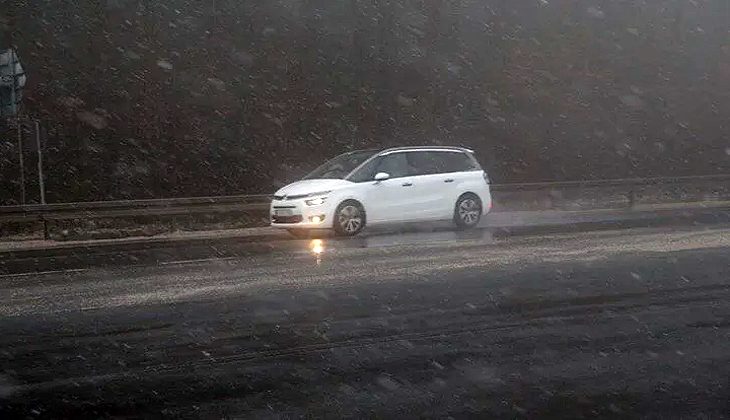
(12, 80)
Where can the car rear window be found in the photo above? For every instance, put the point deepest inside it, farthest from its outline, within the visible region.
(426, 163)
(459, 162)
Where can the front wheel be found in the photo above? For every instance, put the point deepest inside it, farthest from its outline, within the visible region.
(349, 218)
(468, 211)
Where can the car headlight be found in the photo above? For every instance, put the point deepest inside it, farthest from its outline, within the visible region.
(316, 201)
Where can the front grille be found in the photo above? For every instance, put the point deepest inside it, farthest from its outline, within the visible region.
(287, 219)
(285, 207)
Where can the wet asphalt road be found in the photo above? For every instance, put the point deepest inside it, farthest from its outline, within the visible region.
(615, 324)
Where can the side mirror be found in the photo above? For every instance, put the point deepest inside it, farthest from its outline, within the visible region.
(381, 176)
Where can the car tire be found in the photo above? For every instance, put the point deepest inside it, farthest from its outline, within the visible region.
(300, 233)
(349, 218)
(467, 211)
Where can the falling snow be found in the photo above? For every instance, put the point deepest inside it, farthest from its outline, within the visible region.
(221, 100)
(164, 64)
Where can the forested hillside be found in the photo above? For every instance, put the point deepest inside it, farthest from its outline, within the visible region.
(169, 98)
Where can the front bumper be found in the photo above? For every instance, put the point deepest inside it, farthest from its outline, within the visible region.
(296, 214)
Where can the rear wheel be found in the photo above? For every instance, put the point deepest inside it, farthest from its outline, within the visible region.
(349, 218)
(468, 211)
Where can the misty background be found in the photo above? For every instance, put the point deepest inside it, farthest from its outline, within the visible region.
(173, 98)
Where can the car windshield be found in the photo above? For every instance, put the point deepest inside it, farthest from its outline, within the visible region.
(341, 166)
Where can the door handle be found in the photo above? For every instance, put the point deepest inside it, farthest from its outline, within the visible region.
(407, 184)
(448, 180)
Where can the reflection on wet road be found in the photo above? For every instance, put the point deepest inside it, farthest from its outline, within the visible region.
(388, 239)
(229, 248)
(496, 227)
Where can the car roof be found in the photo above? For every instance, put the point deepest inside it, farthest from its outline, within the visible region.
(362, 151)
(426, 148)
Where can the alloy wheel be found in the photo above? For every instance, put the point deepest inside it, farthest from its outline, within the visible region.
(469, 211)
(350, 219)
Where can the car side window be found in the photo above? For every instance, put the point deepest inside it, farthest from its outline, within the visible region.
(415, 163)
(458, 162)
(367, 172)
(394, 164)
(426, 163)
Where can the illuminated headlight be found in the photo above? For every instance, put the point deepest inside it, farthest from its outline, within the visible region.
(316, 201)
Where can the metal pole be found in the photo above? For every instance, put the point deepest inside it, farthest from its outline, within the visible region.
(20, 160)
(13, 108)
(40, 162)
(41, 185)
(13, 66)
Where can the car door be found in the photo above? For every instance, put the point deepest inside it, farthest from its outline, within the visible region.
(460, 173)
(430, 184)
(390, 200)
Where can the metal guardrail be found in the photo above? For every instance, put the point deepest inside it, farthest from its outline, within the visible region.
(241, 203)
(631, 186)
(156, 202)
(627, 182)
(165, 206)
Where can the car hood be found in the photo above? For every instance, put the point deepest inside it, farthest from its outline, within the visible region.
(309, 186)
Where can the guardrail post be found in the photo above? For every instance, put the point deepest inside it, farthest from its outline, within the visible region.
(46, 235)
(632, 199)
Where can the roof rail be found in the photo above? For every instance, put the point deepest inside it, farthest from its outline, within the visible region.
(407, 148)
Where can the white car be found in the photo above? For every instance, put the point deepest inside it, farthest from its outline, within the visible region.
(405, 184)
